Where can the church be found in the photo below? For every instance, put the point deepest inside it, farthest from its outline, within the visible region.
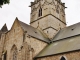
(46, 38)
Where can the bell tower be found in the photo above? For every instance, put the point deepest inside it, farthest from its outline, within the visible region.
(49, 15)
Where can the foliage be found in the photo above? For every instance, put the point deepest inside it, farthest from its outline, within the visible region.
(2, 2)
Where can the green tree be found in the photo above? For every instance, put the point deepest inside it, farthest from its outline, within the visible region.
(2, 2)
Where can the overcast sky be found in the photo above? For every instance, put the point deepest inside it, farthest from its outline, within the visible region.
(21, 9)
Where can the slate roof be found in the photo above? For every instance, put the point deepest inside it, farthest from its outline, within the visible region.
(68, 32)
(3, 29)
(63, 46)
(34, 32)
(67, 39)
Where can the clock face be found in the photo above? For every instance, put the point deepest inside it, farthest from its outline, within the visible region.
(49, 1)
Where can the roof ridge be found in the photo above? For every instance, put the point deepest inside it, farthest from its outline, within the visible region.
(74, 24)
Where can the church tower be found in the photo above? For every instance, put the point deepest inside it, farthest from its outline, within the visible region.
(48, 15)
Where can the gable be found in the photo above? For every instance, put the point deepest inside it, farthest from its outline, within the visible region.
(16, 25)
(33, 32)
(4, 28)
(15, 31)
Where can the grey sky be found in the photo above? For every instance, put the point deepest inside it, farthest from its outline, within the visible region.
(21, 9)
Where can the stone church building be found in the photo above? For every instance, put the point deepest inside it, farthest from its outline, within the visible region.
(46, 38)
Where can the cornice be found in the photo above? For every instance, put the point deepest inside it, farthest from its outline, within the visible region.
(59, 1)
(45, 16)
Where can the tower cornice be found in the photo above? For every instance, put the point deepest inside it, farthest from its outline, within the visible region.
(59, 1)
(45, 16)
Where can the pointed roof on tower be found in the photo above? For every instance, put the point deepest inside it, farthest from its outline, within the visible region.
(4, 28)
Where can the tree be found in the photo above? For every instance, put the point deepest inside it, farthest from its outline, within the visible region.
(2, 2)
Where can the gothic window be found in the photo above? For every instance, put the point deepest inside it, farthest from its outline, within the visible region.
(14, 53)
(40, 12)
(62, 58)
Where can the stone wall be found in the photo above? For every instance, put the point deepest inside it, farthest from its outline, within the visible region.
(14, 37)
(52, 19)
(68, 56)
(0, 48)
(49, 25)
(35, 44)
(48, 7)
(2, 43)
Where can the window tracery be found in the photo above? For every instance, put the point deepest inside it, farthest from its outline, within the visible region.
(14, 53)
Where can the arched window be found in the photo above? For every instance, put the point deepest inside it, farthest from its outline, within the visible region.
(14, 53)
(40, 12)
(62, 58)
